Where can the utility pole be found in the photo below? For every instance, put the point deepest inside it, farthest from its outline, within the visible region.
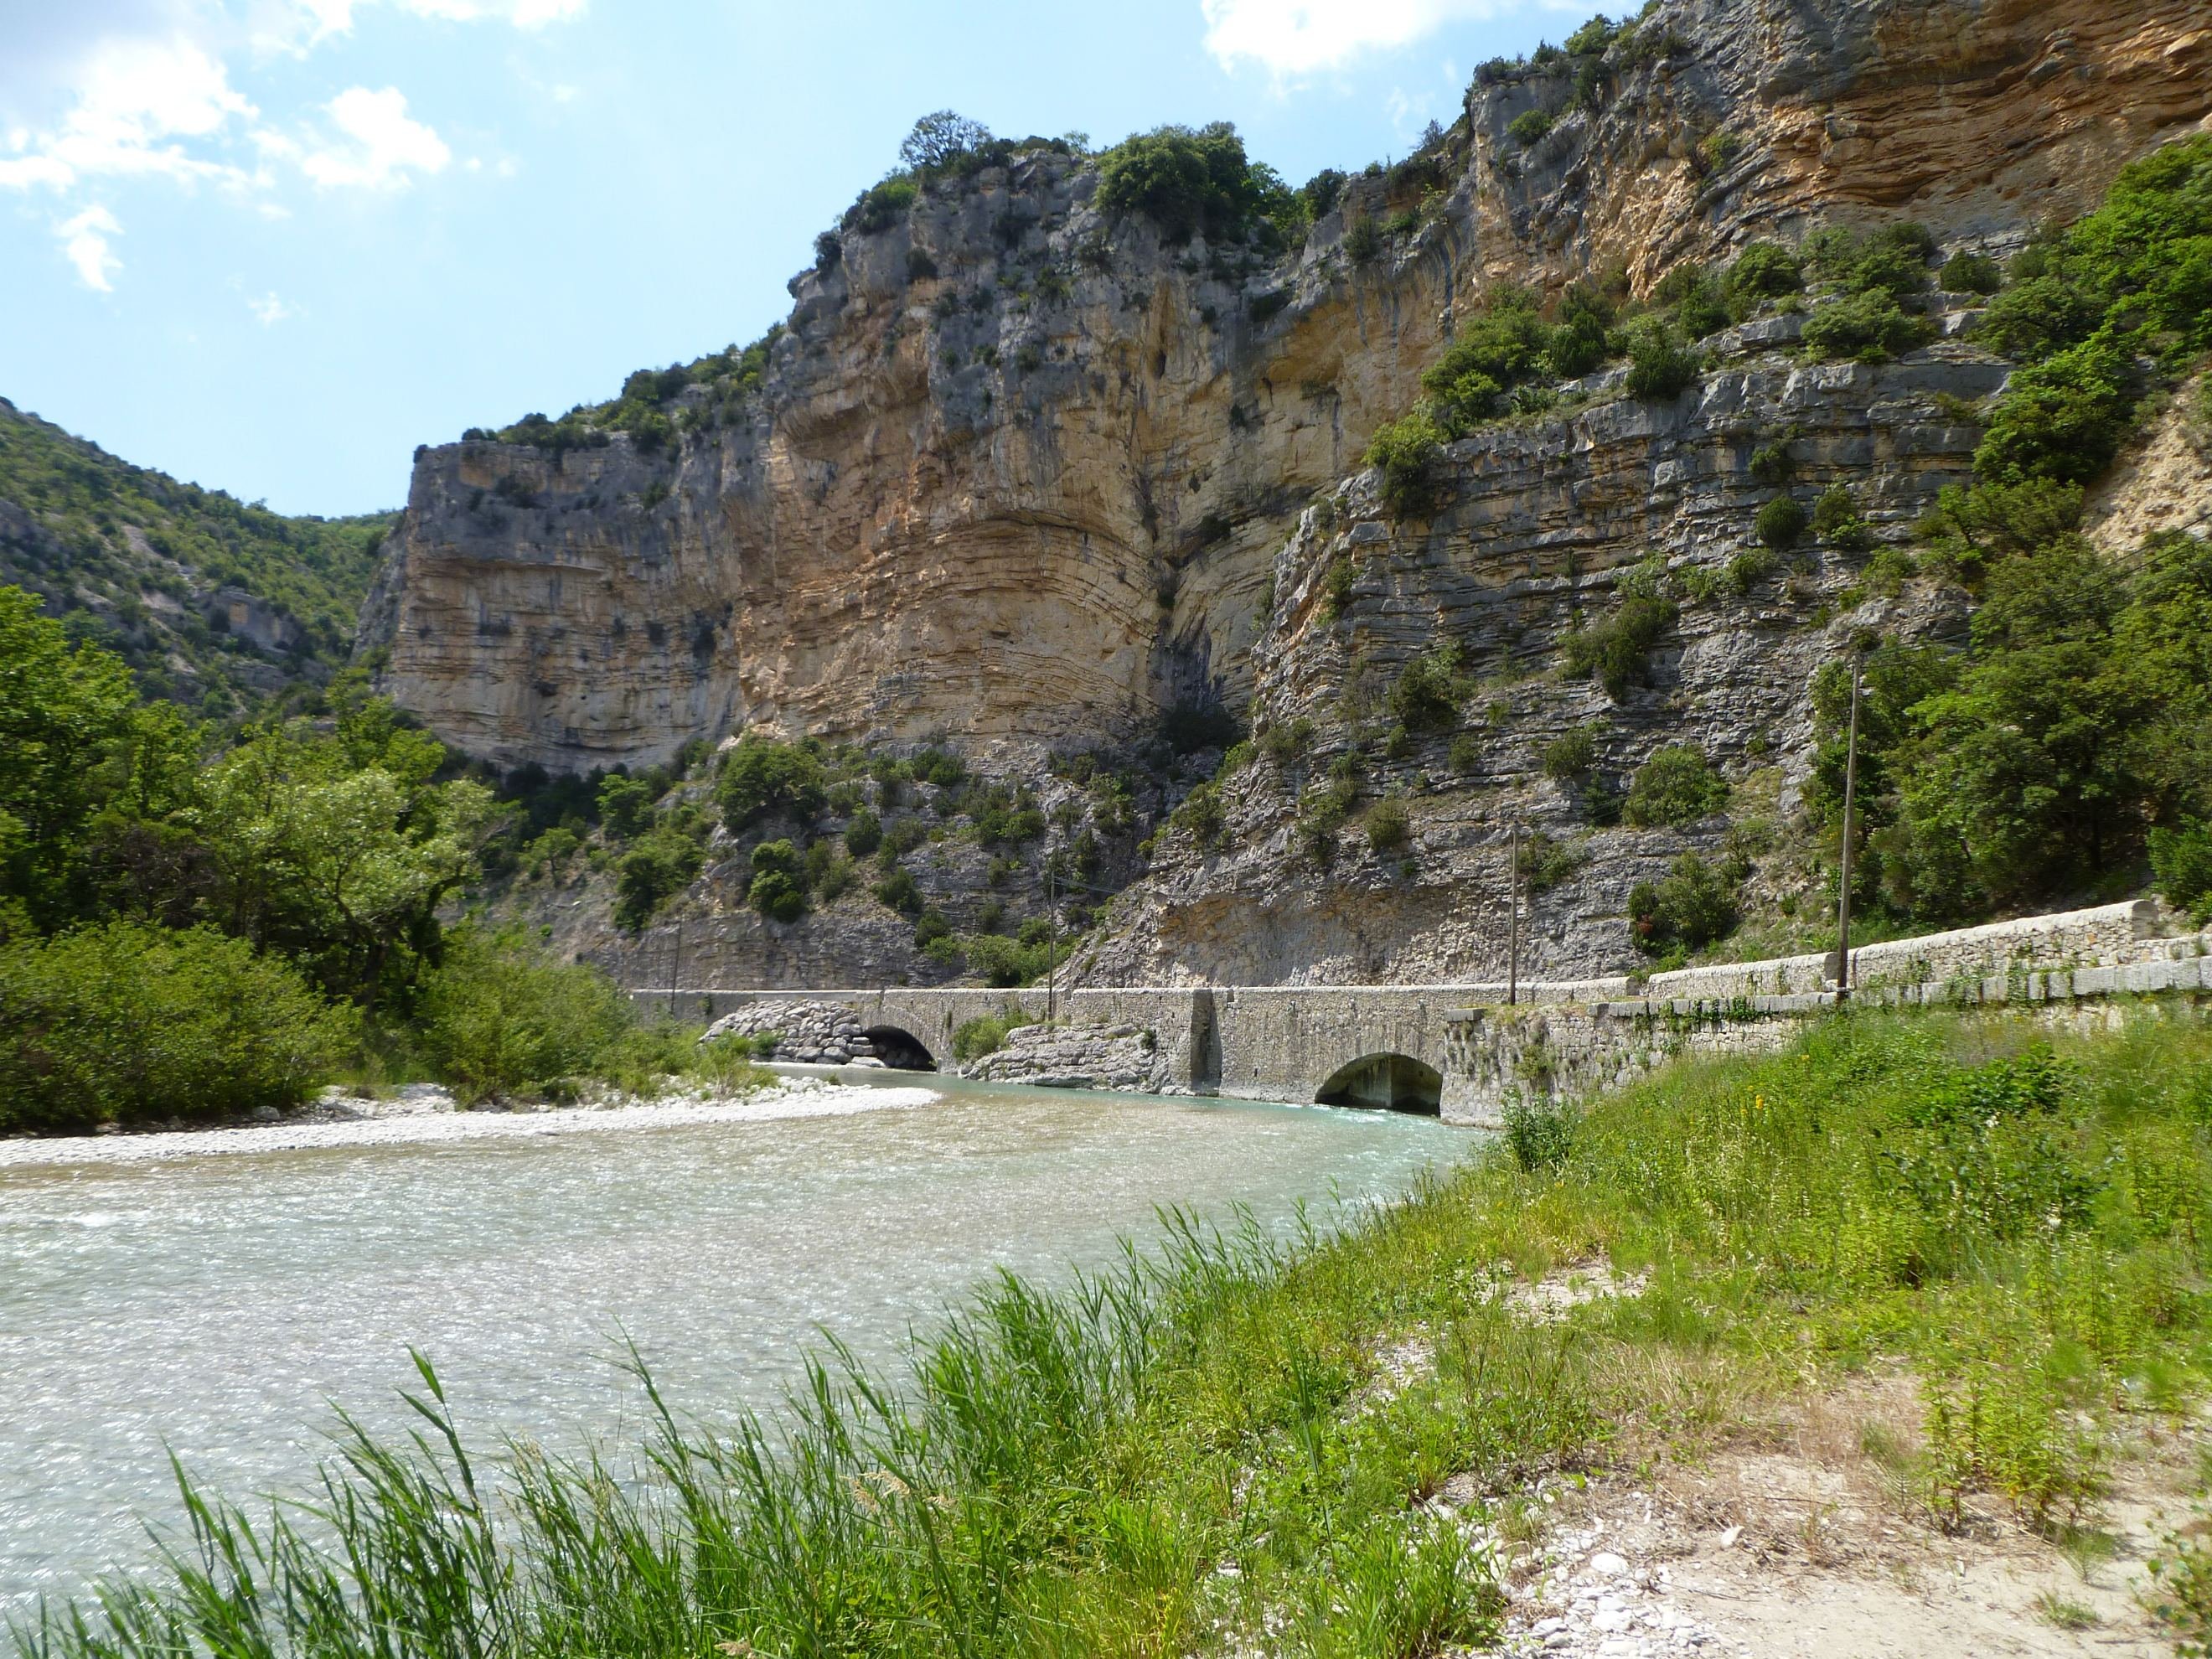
(676, 967)
(1513, 924)
(1844, 897)
(1052, 936)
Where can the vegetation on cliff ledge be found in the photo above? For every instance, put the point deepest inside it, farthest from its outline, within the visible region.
(1339, 1445)
(132, 560)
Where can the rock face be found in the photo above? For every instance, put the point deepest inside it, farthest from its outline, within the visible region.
(1078, 1057)
(805, 1033)
(1019, 473)
(1543, 523)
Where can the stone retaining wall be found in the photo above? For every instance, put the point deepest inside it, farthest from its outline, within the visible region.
(1296, 1042)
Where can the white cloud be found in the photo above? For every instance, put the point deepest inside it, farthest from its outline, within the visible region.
(85, 245)
(523, 14)
(270, 310)
(135, 98)
(388, 142)
(97, 91)
(1290, 37)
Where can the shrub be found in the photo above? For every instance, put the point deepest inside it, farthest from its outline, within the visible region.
(1781, 523)
(1529, 128)
(1409, 452)
(941, 139)
(128, 1023)
(1539, 1133)
(1617, 651)
(760, 776)
(1693, 301)
(1187, 181)
(1390, 826)
(1764, 270)
(1202, 815)
(1363, 240)
(1503, 345)
(882, 205)
(1426, 694)
(1772, 464)
(1466, 753)
(626, 805)
(1972, 273)
(1692, 907)
(1834, 509)
(660, 866)
(776, 891)
(1571, 754)
(1868, 326)
(987, 1034)
(1658, 367)
(2038, 317)
(2062, 418)
(1675, 785)
(1002, 962)
(1545, 862)
(1750, 568)
(2181, 864)
(864, 834)
(501, 1017)
(899, 891)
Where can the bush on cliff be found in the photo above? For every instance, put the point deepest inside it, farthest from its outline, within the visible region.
(1868, 326)
(127, 1023)
(658, 867)
(1616, 650)
(1659, 367)
(777, 890)
(1693, 905)
(761, 776)
(1676, 785)
(1193, 182)
(1409, 452)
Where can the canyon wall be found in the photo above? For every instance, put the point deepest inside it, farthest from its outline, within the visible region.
(1018, 472)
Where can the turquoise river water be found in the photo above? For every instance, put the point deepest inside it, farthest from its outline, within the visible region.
(212, 1304)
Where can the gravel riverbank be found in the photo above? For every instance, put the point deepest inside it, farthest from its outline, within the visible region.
(428, 1114)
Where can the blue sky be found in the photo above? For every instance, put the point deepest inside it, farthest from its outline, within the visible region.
(271, 246)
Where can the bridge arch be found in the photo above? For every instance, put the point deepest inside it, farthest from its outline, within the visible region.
(900, 1049)
(1386, 1082)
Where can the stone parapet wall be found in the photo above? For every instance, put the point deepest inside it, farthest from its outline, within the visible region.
(2109, 934)
(1558, 1040)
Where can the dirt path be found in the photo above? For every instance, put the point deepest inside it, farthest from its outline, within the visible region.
(1801, 1554)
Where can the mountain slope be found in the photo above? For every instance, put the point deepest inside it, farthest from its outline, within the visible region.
(213, 602)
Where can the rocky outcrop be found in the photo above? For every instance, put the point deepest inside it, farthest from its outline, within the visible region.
(802, 1033)
(1080, 1057)
(1544, 522)
(1018, 472)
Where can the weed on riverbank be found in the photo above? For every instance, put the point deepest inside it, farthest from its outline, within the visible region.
(1327, 1445)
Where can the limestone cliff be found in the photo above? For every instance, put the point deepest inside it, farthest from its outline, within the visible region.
(1035, 496)
(1020, 475)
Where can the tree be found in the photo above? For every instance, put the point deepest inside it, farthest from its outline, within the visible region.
(761, 776)
(1188, 181)
(61, 710)
(123, 1023)
(940, 138)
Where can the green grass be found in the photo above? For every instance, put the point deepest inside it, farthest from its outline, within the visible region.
(1204, 1450)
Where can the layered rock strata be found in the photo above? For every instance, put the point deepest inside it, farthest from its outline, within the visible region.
(1018, 471)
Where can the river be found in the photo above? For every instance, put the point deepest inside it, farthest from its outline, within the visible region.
(213, 1303)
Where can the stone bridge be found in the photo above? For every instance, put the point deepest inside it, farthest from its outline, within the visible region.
(1462, 1051)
